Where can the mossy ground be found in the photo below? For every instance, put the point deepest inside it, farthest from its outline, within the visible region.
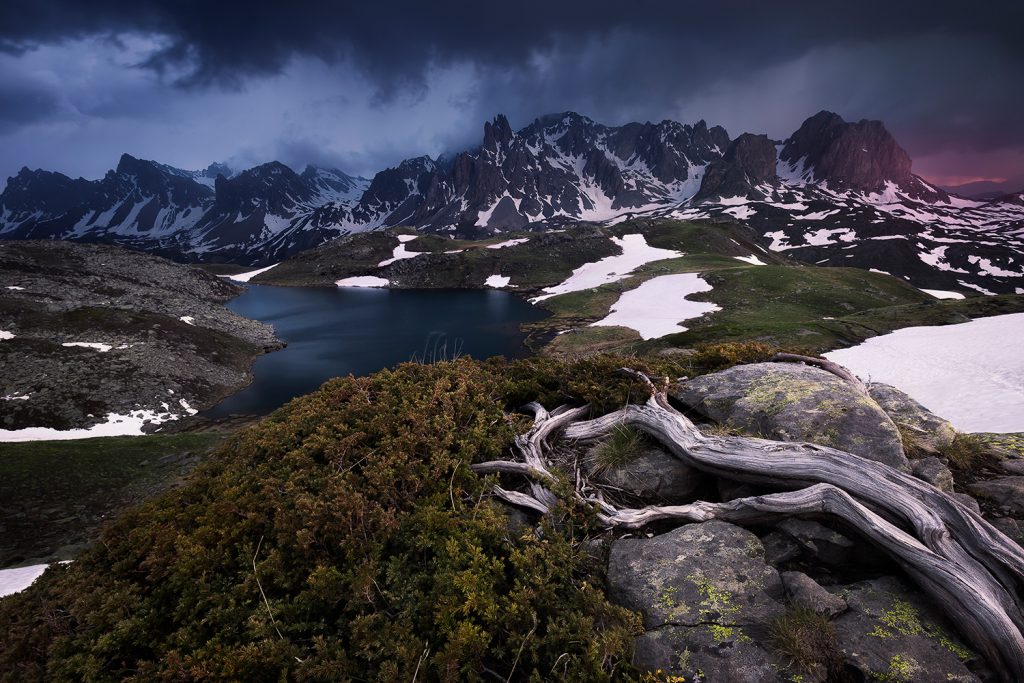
(54, 495)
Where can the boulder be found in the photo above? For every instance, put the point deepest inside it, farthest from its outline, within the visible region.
(793, 402)
(653, 473)
(826, 545)
(707, 598)
(930, 432)
(803, 591)
(1005, 492)
(779, 548)
(892, 633)
(968, 500)
(933, 471)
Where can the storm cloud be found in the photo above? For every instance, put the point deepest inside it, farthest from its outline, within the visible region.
(362, 85)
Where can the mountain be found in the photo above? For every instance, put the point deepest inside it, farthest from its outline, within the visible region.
(983, 189)
(834, 192)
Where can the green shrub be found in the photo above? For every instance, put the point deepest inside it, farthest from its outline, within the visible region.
(714, 357)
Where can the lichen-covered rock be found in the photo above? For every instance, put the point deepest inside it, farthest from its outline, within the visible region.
(805, 592)
(932, 470)
(653, 474)
(707, 597)
(794, 402)
(891, 633)
(930, 432)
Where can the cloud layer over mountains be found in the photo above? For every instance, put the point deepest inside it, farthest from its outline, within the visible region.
(362, 85)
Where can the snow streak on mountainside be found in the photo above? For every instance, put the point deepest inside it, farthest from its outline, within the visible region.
(834, 192)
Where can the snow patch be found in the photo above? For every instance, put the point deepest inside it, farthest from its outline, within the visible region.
(187, 319)
(116, 425)
(19, 578)
(635, 253)
(6, 335)
(508, 243)
(363, 281)
(655, 308)
(752, 260)
(16, 288)
(943, 294)
(245, 277)
(497, 281)
(102, 348)
(966, 373)
(400, 252)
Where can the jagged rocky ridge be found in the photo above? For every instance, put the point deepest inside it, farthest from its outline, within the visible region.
(834, 192)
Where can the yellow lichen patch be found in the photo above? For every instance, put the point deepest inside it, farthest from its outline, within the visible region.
(901, 670)
(772, 392)
(904, 620)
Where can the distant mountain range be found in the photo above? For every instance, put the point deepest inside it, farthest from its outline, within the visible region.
(834, 192)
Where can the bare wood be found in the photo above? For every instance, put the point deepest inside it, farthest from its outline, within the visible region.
(510, 467)
(825, 364)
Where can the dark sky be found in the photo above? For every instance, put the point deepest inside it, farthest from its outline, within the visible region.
(362, 85)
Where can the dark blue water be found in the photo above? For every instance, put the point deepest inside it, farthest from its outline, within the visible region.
(334, 332)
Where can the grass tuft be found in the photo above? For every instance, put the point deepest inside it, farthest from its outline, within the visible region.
(968, 452)
(622, 445)
(807, 640)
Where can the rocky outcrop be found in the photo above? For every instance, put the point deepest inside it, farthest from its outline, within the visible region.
(795, 403)
(99, 330)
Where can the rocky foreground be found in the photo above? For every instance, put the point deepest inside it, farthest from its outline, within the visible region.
(90, 332)
(381, 528)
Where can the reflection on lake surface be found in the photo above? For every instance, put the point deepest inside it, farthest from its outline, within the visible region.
(334, 332)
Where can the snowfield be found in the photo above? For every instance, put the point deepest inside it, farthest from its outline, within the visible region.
(245, 277)
(655, 308)
(363, 281)
(635, 253)
(972, 374)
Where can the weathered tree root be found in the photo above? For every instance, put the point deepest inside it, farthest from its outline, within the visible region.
(826, 365)
(969, 568)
